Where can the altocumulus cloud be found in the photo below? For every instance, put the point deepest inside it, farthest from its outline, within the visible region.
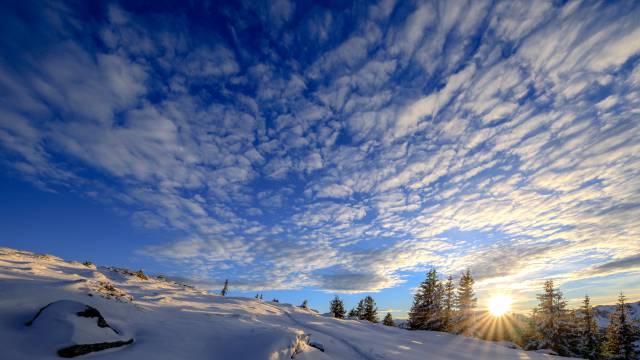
(340, 147)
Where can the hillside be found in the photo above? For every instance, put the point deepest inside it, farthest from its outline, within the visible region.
(603, 313)
(50, 306)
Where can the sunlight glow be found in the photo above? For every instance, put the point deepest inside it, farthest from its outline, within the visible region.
(499, 305)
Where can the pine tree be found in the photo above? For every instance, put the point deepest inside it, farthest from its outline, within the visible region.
(589, 341)
(551, 323)
(370, 311)
(388, 320)
(425, 313)
(336, 308)
(257, 297)
(621, 334)
(466, 303)
(305, 304)
(225, 288)
(359, 312)
(448, 305)
(352, 313)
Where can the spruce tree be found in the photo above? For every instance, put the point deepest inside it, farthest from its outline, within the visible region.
(551, 323)
(370, 311)
(388, 320)
(466, 303)
(589, 341)
(621, 334)
(359, 312)
(305, 304)
(352, 313)
(425, 313)
(336, 308)
(225, 288)
(448, 305)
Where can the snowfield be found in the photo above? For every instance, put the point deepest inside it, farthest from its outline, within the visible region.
(104, 309)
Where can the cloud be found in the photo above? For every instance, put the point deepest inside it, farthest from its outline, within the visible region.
(500, 138)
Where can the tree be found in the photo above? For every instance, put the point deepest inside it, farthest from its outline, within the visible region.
(359, 312)
(589, 342)
(305, 304)
(225, 288)
(275, 300)
(551, 323)
(370, 311)
(425, 313)
(448, 300)
(466, 303)
(388, 320)
(621, 334)
(352, 313)
(336, 308)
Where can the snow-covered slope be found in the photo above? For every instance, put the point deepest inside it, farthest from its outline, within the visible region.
(603, 313)
(167, 320)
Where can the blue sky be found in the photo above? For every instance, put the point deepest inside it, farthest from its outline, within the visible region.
(308, 149)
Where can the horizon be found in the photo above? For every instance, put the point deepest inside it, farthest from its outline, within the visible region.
(305, 150)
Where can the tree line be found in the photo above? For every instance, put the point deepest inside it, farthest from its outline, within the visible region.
(441, 306)
(571, 332)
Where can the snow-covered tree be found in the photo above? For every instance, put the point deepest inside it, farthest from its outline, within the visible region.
(588, 339)
(466, 303)
(448, 303)
(551, 323)
(425, 313)
(369, 310)
(336, 308)
(388, 320)
(225, 288)
(621, 334)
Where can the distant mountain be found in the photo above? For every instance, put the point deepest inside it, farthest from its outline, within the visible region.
(603, 313)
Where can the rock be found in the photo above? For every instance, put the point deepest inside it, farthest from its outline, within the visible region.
(72, 328)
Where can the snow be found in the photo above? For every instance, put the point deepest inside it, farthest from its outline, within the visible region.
(603, 313)
(168, 320)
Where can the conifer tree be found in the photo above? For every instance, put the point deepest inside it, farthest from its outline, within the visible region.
(425, 313)
(370, 311)
(551, 322)
(305, 304)
(257, 297)
(448, 300)
(621, 334)
(466, 303)
(359, 312)
(589, 341)
(336, 308)
(352, 313)
(388, 320)
(225, 288)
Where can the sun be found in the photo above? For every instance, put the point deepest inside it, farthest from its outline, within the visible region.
(499, 305)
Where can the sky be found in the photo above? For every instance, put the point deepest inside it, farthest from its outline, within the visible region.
(307, 149)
